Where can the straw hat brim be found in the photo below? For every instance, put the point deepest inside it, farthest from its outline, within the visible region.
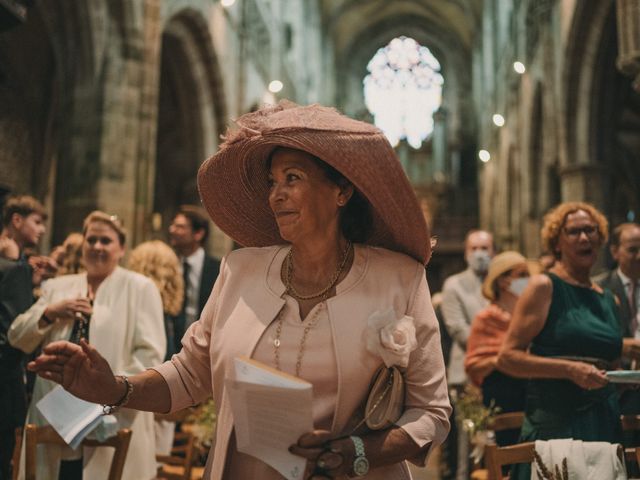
(234, 185)
(500, 264)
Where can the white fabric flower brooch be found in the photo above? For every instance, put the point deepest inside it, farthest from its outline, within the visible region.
(391, 338)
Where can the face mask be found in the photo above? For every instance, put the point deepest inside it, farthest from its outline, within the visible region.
(479, 261)
(518, 285)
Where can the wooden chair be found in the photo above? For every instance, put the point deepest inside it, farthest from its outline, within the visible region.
(507, 421)
(35, 435)
(15, 458)
(177, 466)
(630, 422)
(503, 421)
(496, 457)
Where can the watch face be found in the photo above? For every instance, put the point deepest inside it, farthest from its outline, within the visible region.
(360, 466)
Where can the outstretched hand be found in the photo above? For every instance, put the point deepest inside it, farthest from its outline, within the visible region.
(80, 369)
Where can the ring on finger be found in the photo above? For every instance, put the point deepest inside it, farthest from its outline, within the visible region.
(324, 459)
(78, 314)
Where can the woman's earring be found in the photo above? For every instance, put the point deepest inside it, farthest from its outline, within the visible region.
(340, 203)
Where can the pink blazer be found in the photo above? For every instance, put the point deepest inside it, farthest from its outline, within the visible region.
(241, 306)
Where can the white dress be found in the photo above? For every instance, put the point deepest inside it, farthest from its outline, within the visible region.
(127, 328)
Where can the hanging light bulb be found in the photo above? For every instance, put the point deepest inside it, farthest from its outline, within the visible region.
(275, 86)
(484, 156)
(498, 120)
(519, 67)
(227, 3)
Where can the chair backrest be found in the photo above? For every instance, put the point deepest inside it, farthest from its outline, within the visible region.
(35, 435)
(181, 457)
(496, 457)
(15, 458)
(507, 421)
(630, 422)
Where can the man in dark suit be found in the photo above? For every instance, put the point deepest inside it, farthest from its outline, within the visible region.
(624, 282)
(23, 223)
(187, 234)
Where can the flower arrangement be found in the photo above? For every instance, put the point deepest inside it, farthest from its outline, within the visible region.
(203, 420)
(475, 418)
(474, 415)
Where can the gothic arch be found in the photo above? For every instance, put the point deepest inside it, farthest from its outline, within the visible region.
(581, 80)
(191, 109)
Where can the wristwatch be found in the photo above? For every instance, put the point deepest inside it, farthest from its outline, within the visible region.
(360, 463)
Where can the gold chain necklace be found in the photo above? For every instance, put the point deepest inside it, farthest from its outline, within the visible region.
(312, 323)
(334, 279)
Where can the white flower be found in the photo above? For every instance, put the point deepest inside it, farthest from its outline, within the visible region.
(390, 338)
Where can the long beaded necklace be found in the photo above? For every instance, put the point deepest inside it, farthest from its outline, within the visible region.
(312, 323)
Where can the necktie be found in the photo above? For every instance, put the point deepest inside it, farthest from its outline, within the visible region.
(633, 307)
(186, 269)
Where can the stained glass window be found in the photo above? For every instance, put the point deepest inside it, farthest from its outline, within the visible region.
(403, 89)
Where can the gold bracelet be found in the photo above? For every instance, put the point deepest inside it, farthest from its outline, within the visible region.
(109, 409)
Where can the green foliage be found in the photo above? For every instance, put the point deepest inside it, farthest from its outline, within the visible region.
(473, 415)
(204, 423)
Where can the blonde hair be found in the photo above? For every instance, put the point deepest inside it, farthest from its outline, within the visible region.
(156, 260)
(112, 221)
(72, 255)
(555, 219)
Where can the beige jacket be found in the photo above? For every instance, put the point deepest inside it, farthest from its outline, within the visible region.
(127, 328)
(246, 299)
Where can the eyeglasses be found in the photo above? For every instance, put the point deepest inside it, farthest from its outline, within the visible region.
(575, 232)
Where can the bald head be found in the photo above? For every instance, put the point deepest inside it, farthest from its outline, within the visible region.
(478, 251)
(478, 240)
(625, 249)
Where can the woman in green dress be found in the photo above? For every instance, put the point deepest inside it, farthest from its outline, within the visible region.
(564, 335)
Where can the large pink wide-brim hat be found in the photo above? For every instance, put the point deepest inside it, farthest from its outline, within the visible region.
(234, 185)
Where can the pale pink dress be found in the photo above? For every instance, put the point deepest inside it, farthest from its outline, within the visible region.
(318, 367)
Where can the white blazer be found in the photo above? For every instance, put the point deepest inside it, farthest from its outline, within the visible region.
(127, 328)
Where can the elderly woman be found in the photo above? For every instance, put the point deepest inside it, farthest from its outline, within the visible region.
(120, 313)
(564, 334)
(336, 288)
(506, 279)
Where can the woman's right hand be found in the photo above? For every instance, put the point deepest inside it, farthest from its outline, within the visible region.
(587, 376)
(68, 309)
(81, 370)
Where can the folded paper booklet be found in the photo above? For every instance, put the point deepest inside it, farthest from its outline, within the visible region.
(271, 410)
(624, 376)
(71, 417)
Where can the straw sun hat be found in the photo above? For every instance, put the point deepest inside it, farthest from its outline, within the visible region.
(500, 264)
(234, 187)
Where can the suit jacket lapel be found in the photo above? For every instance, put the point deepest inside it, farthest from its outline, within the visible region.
(625, 309)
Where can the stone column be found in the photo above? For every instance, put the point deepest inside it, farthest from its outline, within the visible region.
(628, 22)
(440, 144)
(583, 182)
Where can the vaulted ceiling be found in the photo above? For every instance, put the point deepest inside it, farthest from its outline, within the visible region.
(358, 28)
(347, 20)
